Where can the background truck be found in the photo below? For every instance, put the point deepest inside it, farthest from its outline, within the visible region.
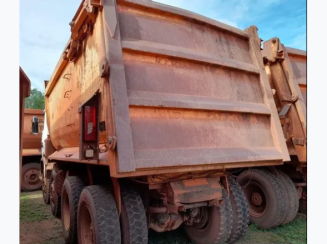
(31, 150)
(287, 70)
(147, 110)
(24, 91)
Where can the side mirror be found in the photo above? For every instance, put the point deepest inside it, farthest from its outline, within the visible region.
(35, 125)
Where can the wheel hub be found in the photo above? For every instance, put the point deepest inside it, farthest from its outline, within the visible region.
(31, 177)
(256, 198)
(201, 218)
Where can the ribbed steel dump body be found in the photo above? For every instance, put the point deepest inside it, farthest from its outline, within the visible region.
(185, 93)
(286, 68)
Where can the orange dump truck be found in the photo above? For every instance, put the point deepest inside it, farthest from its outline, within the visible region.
(147, 109)
(24, 91)
(286, 71)
(31, 150)
(286, 68)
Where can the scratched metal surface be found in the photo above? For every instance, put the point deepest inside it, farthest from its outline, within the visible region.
(77, 83)
(194, 92)
(184, 90)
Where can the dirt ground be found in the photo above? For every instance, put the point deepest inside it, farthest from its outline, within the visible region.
(38, 226)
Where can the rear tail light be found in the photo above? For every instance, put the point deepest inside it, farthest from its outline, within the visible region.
(89, 140)
(90, 126)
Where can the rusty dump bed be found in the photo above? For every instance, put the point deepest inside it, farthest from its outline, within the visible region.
(24, 91)
(287, 68)
(182, 92)
(32, 142)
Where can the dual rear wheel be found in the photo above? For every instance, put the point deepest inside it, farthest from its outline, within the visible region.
(226, 223)
(89, 216)
(272, 198)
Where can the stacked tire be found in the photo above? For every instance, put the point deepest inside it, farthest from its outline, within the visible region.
(272, 198)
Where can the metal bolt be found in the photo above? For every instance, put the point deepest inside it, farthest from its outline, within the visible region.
(256, 198)
(162, 218)
(194, 212)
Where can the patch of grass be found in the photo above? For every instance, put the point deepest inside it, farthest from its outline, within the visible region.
(291, 233)
(294, 232)
(33, 209)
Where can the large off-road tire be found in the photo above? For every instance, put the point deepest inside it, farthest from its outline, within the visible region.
(97, 217)
(71, 191)
(55, 198)
(46, 190)
(292, 199)
(265, 197)
(133, 218)
(59, 182)
(241, 215)
(31, 177)
(218, 227)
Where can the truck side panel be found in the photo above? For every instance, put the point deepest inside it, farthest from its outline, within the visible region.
(76, 84)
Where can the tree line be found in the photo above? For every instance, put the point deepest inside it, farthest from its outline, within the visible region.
(35, 100)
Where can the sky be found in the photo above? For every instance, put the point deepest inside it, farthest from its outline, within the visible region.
(44, 26)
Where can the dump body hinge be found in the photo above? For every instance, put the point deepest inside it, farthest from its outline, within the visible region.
(272, 50)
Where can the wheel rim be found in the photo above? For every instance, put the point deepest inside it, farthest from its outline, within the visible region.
(203, 218)
(66, 211)
(257, 200)
(31, 177)
(86, 227)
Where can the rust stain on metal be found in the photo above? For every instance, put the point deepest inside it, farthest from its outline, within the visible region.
(192, 102)
(286, 68)
(178, 193)
(195, 182)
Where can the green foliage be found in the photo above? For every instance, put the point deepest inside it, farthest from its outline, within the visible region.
(35, 100)
(291, 233)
